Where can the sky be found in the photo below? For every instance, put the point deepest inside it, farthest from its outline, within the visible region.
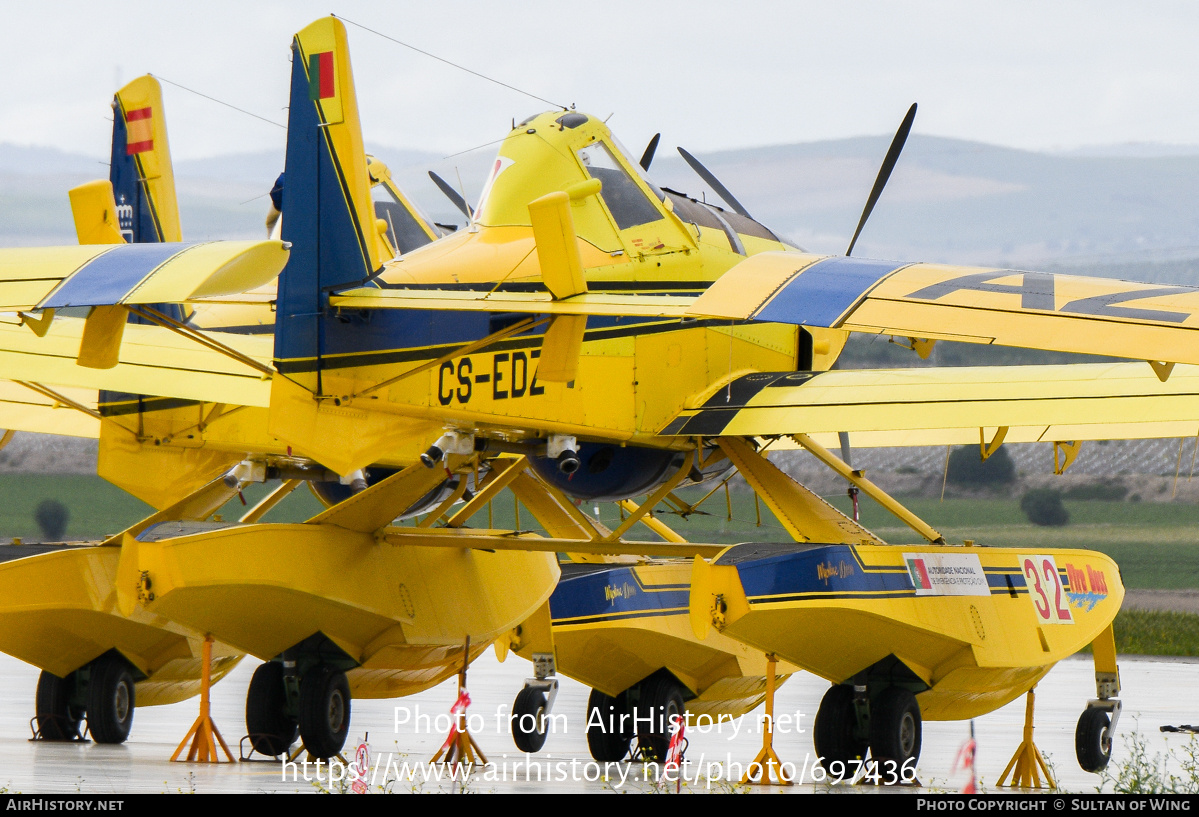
(710, 75)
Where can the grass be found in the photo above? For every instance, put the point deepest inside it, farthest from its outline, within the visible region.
(1154, 543)
(98, 508)
(1152, 632)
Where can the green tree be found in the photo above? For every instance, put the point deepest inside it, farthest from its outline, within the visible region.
(52, 517)
(967, 468)
(1043, 506)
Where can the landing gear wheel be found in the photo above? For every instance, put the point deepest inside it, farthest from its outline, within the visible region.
(663, 699)
(1093, 740)
(271, 729)
(528, 720)
(606, 740)
(836, 722)
(110, 699)
(56, 718)
(895, 726)
(324, 710)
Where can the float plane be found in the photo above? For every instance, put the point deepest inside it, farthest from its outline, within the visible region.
(589, 336)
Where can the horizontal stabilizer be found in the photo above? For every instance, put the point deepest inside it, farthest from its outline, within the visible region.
(95, 212)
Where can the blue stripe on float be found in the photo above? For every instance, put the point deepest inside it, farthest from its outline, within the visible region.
(579, 598)
(823, 292)
(108, 278)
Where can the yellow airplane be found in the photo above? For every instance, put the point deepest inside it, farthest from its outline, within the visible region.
(98, 663)
(617, 339)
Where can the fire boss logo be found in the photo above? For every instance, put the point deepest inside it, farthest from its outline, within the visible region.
(1087, 586)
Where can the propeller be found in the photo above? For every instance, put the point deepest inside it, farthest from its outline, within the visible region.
(453, 195)
(714, 183)
(650, 150)
(884, 172)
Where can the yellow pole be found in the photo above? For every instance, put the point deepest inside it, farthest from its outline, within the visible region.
(767, 759)
(203, 734)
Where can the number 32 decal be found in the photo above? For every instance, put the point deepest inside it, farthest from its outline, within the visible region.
(1045, 589)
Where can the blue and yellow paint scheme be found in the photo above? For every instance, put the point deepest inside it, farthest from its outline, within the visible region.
(971, 638)
(615, 625)
(583, 302)
(374, 356)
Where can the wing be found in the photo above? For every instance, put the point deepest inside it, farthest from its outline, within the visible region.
(537, 303)
(1037, 310)
(66, 411)
(97, 275)
(951, 405)
(153, 361)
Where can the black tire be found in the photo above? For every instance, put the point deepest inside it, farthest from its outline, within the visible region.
(324, 711)
(895, 726)
(110, 699)
(661, 698)
(56, 718)
(1093, 740)
(528, 720)
(271, 729)
(836, 722)
(606, 741)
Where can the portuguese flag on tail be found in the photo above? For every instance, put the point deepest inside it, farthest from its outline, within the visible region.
(320, 76)
(139, 131)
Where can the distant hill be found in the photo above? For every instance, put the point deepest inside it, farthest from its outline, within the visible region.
(1124, 210)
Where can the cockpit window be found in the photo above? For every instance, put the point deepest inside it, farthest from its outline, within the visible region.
(640, 171)
(403, 230)
(626, 201)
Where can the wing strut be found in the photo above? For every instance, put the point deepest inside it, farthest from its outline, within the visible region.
(154, 316)
(858, 479)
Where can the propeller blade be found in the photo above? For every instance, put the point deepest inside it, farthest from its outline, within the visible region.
(714, 183)
(884, 172)
(453, 195)
(843, 436)
(650, 150)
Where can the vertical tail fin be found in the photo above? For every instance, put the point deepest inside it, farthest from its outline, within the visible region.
(329, 218)
(143, 180)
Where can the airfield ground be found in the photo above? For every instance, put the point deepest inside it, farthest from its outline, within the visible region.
(1154, 542)
(1156, 692)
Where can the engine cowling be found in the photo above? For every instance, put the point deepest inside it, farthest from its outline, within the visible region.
(331, 493)
(609, 473)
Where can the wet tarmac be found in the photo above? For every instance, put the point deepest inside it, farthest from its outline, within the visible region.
(399, 731)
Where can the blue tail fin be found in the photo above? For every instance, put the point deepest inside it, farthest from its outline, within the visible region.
(329, 219)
